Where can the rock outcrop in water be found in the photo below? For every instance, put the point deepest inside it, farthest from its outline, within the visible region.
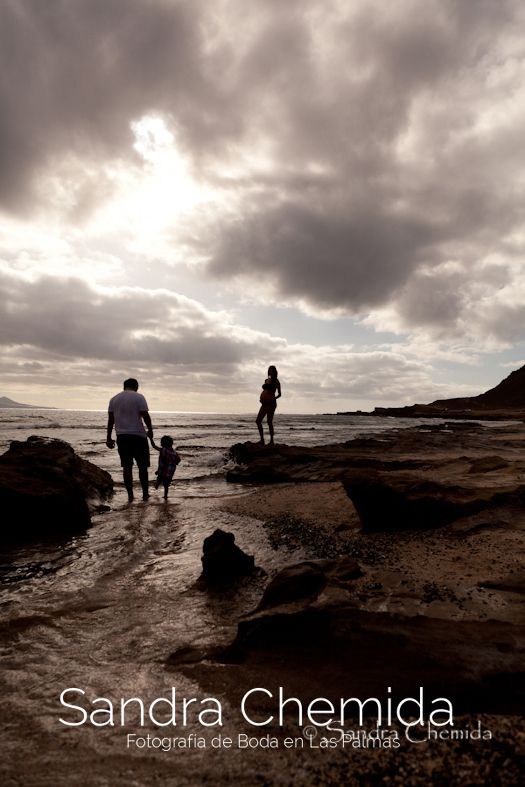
(47, 490)
(222, 560)
(282, 463)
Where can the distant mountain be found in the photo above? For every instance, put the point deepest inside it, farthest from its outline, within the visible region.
(507, 399)
(509, 394)
(6, 403)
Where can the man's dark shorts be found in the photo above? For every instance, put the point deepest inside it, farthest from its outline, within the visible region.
(132, 447)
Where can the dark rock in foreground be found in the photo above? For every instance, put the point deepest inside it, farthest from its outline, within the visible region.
(345, 647)
(223, 560)
(307, 580)
(47, 490)
(405, 501)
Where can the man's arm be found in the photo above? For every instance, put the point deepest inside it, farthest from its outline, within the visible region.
(111, 422)
(147, 420)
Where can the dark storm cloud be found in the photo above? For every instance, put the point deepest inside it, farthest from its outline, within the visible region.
(413, 163)
(391, 147)
(65, 318)
(311, 254)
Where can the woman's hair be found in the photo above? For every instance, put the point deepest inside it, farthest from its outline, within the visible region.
(166, 441)
(272, 372)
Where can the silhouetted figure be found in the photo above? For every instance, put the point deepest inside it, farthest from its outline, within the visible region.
(128, 412)
(271, 391)
(168, 461)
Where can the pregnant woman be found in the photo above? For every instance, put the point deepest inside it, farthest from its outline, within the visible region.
(271, 391)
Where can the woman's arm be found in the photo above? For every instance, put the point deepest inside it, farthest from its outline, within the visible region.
(156, 447)
(278, 390)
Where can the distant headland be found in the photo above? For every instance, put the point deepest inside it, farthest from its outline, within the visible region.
(9, 404)
(506, 400)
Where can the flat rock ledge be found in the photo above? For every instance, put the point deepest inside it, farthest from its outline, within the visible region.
(417, 478)
(47, 490)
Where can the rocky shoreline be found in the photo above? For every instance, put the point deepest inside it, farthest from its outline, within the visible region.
(416, 501)
(368, 594)
(444, 413)
(414, 577)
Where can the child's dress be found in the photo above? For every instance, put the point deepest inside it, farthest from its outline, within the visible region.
(168, 461)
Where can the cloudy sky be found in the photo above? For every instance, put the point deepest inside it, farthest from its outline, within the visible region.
(191, 190)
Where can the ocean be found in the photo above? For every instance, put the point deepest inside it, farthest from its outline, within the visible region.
(203, 439)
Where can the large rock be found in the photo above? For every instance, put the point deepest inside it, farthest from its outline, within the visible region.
(223, 560)
(345, 649)
(399, 501)
(267, 464)
(46, 489)
(307, 580)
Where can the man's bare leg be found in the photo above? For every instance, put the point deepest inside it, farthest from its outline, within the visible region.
(127, 473)
(144, 482)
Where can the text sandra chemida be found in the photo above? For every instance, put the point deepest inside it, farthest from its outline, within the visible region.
(321, 722)
(179, 711)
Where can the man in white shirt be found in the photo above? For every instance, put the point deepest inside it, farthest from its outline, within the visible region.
(128, 412)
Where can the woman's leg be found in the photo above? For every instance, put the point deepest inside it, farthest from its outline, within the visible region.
(259, 420)
(271, 411)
